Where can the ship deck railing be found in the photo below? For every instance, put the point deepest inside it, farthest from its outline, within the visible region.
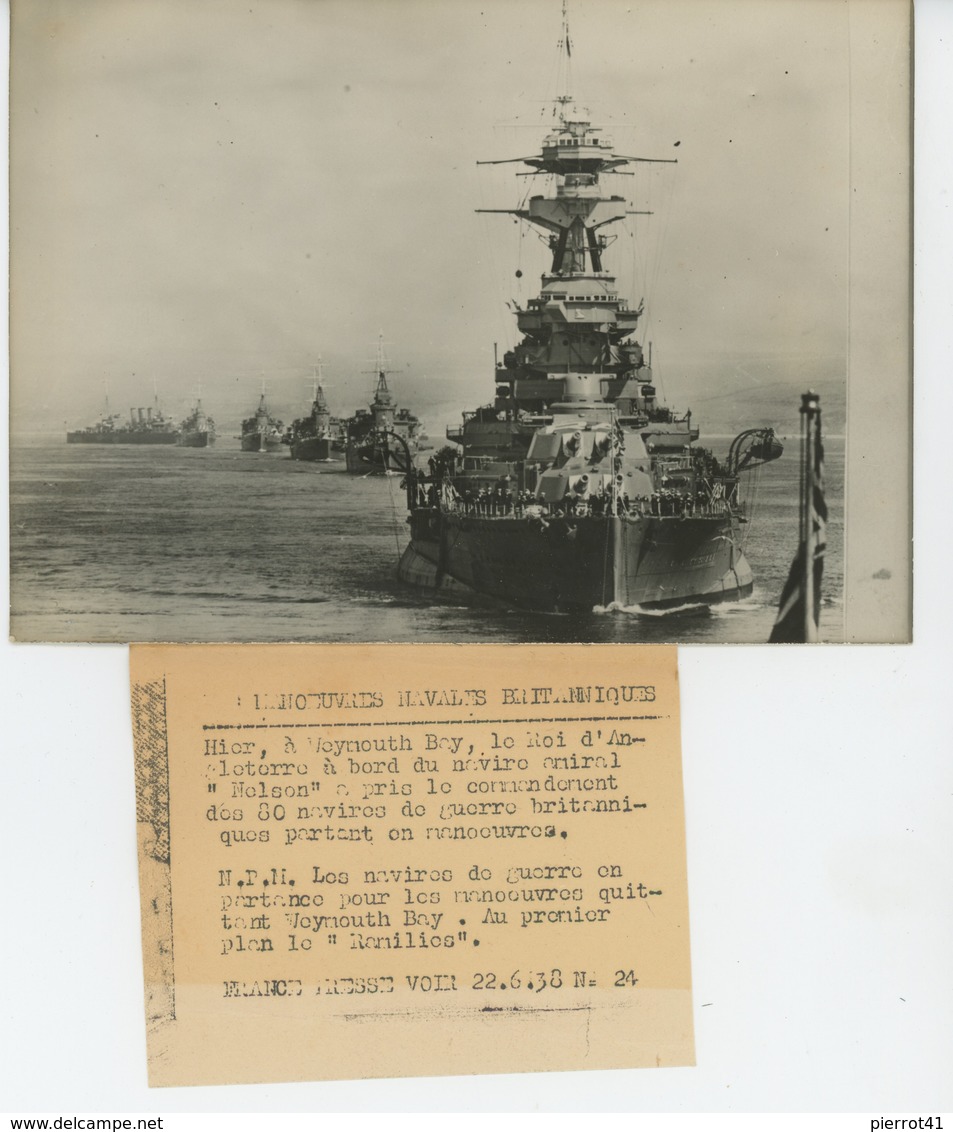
(624, 508)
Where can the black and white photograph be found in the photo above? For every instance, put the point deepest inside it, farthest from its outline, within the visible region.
(418, 321)
(285, 315)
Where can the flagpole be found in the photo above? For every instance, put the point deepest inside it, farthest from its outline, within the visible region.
(809, 412)
(799, 606)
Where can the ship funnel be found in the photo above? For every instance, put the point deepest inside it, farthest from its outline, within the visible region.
(132, 416)
(139, 411)
(149, 414)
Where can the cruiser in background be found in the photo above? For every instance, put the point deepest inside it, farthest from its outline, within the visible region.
(146, 426)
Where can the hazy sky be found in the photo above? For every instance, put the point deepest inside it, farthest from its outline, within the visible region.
(204, 193)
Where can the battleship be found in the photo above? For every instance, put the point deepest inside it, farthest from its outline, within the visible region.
(198, 429)
(145, 426)
(261, 433)
(382, 438)
(576, 488)
(318, 435)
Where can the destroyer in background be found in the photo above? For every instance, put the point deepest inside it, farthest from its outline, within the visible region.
(261, 433)
(198, 429)
(576, 487)
(145, 426)
(316, 436)
(382, 438)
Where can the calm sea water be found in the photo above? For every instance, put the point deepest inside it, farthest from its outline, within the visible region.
(171, 544)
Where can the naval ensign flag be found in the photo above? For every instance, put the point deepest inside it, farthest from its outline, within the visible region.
(800, 605)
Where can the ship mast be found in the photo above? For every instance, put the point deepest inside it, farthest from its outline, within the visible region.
(579, 323)
(382, 395)
(564, 63)
(319, 404)
(575, 154)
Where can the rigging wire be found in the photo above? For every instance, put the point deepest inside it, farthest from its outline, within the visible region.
(384, 449)
(492, 245)
(648, 241)
(393, 506)
(661, 262)
(752, 486)
(605, 557)
(519, 262)
(548, 106)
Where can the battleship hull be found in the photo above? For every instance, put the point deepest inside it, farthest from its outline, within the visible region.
(576, 564)
(313, 448)
(121, 436)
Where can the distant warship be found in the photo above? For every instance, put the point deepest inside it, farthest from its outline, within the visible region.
(317, 435)
(382, 437)
(198, 429)
(261, 433)
(576, 487)
(145, 426)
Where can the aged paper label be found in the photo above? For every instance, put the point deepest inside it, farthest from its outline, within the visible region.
(410, 860)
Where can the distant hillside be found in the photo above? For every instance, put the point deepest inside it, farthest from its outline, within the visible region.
(776, 404)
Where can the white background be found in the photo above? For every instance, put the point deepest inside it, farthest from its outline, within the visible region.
(819, 785)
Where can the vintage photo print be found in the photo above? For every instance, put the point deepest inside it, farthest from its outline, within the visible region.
(373, 321)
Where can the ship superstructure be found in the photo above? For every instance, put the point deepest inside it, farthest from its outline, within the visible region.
(575, 487)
